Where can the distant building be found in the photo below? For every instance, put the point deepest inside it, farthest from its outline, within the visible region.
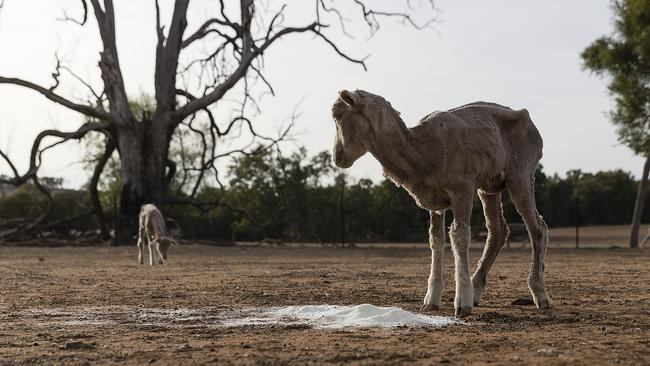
(7, 189)
(53, 184)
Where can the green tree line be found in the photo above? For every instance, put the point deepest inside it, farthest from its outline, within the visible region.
(304, 198)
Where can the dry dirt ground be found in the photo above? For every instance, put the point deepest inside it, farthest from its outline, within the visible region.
(95, 305)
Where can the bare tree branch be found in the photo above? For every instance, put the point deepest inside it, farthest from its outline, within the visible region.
(247, 58)
(361, 62)
(99, 98)
(160, 30)
(49, 94)
(10, 163)
(246, 49)
(110, 65)
(167, 56)
(35, 157)
(204, 30)
(67, 18)
(370, 16)
(320, 4)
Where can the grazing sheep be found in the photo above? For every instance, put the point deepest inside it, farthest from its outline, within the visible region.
(152, 227)
(441, 162)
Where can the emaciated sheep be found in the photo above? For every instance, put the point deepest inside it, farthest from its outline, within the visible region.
(152, 228)
(441, 162)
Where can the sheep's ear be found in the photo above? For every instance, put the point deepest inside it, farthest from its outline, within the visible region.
(350, 98)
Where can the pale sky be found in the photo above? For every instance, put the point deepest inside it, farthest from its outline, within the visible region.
(524, 54)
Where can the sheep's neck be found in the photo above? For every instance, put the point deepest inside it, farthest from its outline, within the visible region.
(396, 152)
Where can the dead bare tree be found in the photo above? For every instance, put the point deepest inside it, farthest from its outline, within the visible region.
(236, 39)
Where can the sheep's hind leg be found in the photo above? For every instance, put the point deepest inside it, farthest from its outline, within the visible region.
(432, 300)
(524, 198)
(497, 236)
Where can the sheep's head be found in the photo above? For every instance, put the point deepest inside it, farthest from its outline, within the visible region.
(164, 243)
(357, 114)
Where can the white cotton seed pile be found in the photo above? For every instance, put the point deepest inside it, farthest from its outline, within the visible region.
(335, 316)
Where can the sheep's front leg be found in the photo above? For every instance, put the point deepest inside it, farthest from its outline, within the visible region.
(151, 251)
(161, 258)
(141, 238)
(459, 234)
(432, 300)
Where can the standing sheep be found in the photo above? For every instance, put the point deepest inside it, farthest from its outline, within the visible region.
(152, 227)
(442, 162)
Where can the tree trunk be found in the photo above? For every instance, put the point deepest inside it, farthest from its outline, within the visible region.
(94, 192)
(638, 206)
(143, 148)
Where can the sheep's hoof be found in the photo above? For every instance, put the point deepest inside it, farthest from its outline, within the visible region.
(544, 304)
(463, 311)
(429, 307)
